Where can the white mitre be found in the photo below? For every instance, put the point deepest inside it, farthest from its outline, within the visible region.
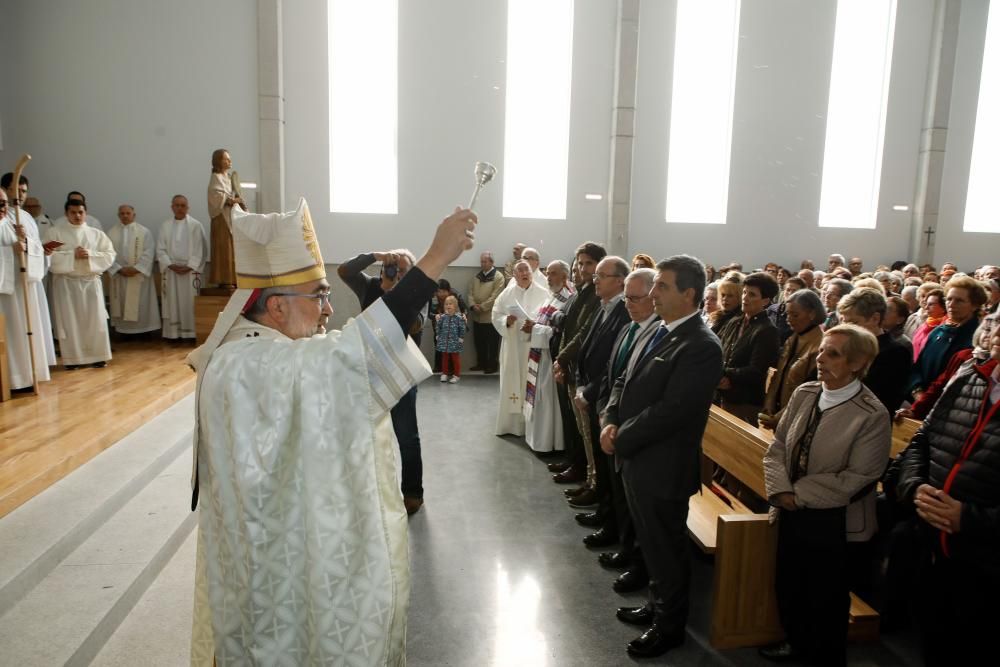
(271, 250)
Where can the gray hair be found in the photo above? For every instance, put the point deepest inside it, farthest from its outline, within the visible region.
(487, 253)
(838, 257)
(647, 276)
(403, 252)
(714, 286)
(563, 266)
(809, 300)
(908, 290)
(882, 275)
(259, 307)
(621, 266)
(530, 249)
(843, 286)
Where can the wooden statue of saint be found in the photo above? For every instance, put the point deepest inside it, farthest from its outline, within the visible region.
(222, 196)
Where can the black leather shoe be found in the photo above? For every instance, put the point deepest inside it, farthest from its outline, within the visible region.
(635, 615)
(654, 642)
(780, 652)
(558, 466)
(602, 538)
(615, 560)
(477, 367)
(574, 492)
(569, 476)
(589, 519)
(630, 581)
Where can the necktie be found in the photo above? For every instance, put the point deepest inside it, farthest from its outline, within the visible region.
(661, 331)
(625, 349)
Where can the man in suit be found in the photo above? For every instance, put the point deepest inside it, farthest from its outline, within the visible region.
(628, 347)
(653, 423)
(591, 367)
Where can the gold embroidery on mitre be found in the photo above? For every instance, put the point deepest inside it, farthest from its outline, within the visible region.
(309, 236)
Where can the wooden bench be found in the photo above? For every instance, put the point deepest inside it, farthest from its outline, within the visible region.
(744, 544)
(903, 431)
(4, 369)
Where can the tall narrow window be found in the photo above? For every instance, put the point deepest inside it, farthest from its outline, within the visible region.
(855, 117)
(701, 110)
(363, 38)
(536, 135)
(980, 202)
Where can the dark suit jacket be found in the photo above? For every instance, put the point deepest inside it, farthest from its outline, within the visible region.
(889, 372)
(641, 340)
(748, 357)
(579, 316)
(662, 408)
(592, 363)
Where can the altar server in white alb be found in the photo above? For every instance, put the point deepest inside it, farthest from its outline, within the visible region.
(302, 537)
(180, 251)
(134, 309)
(92, 222)
(81, 320)
(25, 361)
(518, 301)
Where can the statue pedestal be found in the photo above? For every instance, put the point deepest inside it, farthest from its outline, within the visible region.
(207, 307)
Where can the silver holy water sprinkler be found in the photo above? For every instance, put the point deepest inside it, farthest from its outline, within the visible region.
(484, 174)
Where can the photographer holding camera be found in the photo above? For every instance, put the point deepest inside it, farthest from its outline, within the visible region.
(368, 289)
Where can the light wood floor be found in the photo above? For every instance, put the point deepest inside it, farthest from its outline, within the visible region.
(83, 412)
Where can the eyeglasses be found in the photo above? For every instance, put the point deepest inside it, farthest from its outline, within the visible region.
(322, 298)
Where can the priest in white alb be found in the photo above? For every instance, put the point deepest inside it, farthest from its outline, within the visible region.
(180, 252)
(134, 309)
(81, 320)
(302, 537)
(542, 419)
(516, 303)
(28, 363)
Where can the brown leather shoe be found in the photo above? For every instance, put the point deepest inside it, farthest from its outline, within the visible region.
(412, 504)
(573, 493)
(558, 466)
(585, 499)
(569, 476)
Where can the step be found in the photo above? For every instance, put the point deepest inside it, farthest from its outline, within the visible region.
(39, 534)
(102, 579)
(167, 606)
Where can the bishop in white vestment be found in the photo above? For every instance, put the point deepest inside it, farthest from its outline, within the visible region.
(24, 362)
(81, 320)
(180, 251)
(519, 300)
(542, 419)
(302, 537)
(134, 308)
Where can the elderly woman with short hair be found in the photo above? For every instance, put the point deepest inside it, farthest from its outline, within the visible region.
(830, 448)
(729, 304)
(805, 313)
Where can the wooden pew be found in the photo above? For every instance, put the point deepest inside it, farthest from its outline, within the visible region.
(903, 431)
(4, 369)
(744, 609)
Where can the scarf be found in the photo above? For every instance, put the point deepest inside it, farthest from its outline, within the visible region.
(545, 313)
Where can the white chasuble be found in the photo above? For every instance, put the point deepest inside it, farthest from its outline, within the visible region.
(134, 308)
(542, 418)
(81, 320)
(182, 243)
(303, 554)
(514, 347)
(25, 361)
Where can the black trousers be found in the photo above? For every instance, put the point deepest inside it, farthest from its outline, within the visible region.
(487, 342)
(404, 424)
(958, 616)
(661, 526)
(620, 510)
(811, 583)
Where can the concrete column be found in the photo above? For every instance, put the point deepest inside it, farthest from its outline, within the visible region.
(623, 127)
(271, 105)
(934, 135)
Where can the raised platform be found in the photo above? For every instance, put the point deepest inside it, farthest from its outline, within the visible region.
(81, 413)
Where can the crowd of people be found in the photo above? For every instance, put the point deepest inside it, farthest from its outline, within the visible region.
(70, 261)
(594, 369)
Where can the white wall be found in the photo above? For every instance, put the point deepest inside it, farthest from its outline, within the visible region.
(783, 77)
(969, 249)
(126, 99)
(451, 54)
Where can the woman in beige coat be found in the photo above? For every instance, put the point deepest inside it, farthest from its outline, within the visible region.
(829, 450)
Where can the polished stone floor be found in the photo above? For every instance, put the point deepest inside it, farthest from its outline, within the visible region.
(500, 575)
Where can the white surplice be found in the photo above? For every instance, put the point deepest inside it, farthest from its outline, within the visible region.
(542, 419)
(25, 362)
(91, 222)
(302, 550)
(180, 242)
(81, 320)
(134, 308)
(514, 347)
